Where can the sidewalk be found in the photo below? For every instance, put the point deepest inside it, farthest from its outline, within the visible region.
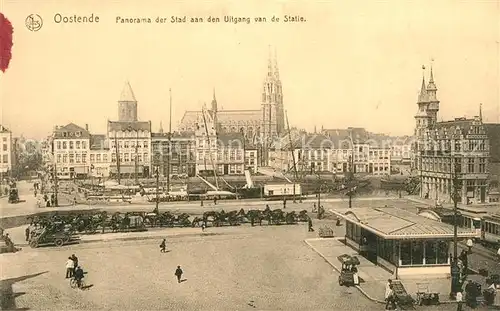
(373, 278)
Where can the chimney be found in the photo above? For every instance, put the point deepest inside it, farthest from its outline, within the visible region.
(86, 127)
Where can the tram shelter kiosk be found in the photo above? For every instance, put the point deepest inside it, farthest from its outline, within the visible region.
(404, 243)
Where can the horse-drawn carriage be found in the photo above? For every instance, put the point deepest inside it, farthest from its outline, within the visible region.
(349, 271)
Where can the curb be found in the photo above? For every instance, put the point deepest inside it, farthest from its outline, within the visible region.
(357, 286)
(338, 271)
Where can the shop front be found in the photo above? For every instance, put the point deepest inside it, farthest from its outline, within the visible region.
(402, 242)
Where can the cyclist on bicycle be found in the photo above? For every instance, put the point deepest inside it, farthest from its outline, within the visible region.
(78, 275)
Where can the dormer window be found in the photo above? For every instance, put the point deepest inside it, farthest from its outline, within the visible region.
(78, 134)
(65, 134)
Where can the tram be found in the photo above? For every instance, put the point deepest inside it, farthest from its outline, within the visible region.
(491, 230)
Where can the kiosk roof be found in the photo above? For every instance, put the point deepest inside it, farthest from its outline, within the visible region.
(394, 223)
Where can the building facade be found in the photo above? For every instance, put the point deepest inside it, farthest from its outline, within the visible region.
(70, 151)
(129, 140)
(6, 151)
(182, 156)
(448, 151)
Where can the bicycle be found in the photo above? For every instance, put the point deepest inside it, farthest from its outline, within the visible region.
(74, 284)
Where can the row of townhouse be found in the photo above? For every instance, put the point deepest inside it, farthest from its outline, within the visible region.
(315, 153)
(131, 149)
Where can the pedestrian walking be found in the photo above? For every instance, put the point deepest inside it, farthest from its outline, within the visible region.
(203, 227)
(459, 300)
(284, 203)
(163, 246)
(27, 233)
(387, 293)
(70, 267)
(178, 273)
(310, 225)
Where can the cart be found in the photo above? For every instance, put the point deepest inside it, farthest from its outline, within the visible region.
(425, 296)
(13, 195)
(403, 299)
(52, 238)
(349, 272)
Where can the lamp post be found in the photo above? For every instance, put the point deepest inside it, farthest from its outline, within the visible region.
(455, 195)
(157, 173)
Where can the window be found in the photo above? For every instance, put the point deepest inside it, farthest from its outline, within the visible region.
(482, 165)
(125, 144)
(4, 147)
(71, 158)
(5, 158)
(145, 144)
(84, 157)
(77, 144)
(457, 145)
(105, 158)
(113, 157)
(98, 157)
(58, 145)
(65, 146)
(58, 158)
(470, 166)
(78, 158)
(146, 157)
(126, 157)
(65, 158)
(92, 158)
(71, 144)
(84, 145)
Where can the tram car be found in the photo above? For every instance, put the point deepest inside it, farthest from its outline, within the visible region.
(486, 226)
(491, 230)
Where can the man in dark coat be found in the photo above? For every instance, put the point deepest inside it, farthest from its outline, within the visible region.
(163, 246)
(310, 225)
(27, 233)
(178, 273)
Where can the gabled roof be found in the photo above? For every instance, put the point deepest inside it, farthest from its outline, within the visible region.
(129, 126)
(232, 140)
(225, 116)
(71, 131)
(127, 94)
(493, 132)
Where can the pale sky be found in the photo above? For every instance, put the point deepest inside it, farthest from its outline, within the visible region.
(352, 63)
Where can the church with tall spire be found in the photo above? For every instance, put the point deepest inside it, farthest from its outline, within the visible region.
(268, 121)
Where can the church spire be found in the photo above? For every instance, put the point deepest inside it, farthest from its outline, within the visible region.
(276, 69)
(431, 86)
(270, 64)
(422, 96)
(481, 112)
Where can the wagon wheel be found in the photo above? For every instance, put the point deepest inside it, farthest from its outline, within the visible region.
(59, 242)
(34, 243)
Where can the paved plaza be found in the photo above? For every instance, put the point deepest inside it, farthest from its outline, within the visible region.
(242, 268)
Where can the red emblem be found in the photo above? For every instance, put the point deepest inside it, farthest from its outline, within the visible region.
(6, 31)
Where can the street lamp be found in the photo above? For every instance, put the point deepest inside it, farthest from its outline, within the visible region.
(455, 195)
(157, 173)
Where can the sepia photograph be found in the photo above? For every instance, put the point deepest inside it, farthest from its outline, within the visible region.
(250, 155)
